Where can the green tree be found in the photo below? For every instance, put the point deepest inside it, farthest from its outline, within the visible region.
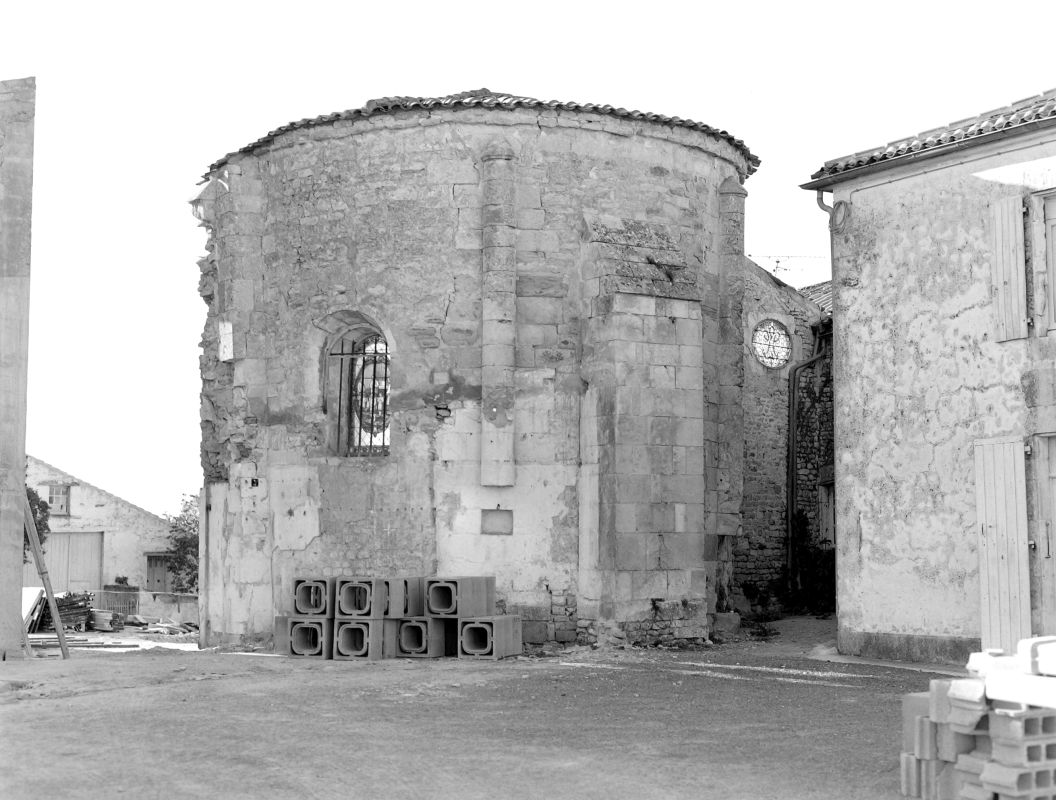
(183, 546)
(41, 514)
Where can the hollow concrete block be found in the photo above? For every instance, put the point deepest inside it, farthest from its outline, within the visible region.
(910, 775)
(313, 597)
(359, 598)
(420, 637)
(360, 639)
(460, 597)
(490, 638)
(405, 597)
(311, 637)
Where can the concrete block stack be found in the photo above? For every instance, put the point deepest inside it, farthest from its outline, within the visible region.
(991, 736)
(350, 618)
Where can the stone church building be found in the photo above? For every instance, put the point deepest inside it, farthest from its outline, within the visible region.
(488, 335)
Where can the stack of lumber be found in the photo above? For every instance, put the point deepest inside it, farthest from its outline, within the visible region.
(74, 611)
(102, 620)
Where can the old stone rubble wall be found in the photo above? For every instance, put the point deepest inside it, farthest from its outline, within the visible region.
(553, 263)
(761, 553)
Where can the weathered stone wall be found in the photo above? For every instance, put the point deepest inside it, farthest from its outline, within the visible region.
(814, 437)
(496, 250)
(919, 376)
(761, 550)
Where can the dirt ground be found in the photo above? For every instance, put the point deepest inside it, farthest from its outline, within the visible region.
(744, 719)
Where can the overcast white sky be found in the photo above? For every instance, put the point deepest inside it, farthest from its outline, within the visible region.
(136, 99)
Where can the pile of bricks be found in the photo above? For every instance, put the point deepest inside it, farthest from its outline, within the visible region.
(991, 736)
(374, 618)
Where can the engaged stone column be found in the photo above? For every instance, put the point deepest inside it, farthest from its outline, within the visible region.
(17, 102)
(731, 381)
(499, 268)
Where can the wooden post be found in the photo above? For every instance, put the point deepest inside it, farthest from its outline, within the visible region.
(42, 570)
(17, 103)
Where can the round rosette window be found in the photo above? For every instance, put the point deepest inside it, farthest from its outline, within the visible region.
(771, 343)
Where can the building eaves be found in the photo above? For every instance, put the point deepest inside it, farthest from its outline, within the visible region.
(820, 294)
(485, 98)
(1019, 117)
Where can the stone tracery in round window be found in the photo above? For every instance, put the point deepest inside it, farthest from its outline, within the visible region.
(771, 343)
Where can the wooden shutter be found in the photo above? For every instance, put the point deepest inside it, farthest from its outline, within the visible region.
(1001, 516)
(1008, 268)
(1048, 263)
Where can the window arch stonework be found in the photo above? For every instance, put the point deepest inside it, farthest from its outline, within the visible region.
(356, 378)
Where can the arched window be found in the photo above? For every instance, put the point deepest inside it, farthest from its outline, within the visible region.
(358, 393)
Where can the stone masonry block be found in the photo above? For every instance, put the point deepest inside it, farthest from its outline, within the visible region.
(468, 238)
(526, 196)
(630, 429)
(634, 304)
(540, 310)
(647, 584)
(532, 335)
(544, 241)
(537, 631)
(541, 286)
(634, 488)
(631, 551)
(466, 195)
(531, 218)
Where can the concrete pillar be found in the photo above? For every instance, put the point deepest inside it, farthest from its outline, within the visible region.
(731, 381)
(499, 267)
(17, 104)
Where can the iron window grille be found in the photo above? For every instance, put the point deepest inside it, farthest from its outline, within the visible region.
(362, 367)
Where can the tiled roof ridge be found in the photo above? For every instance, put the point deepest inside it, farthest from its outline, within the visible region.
(485, 98)
(82, 482)
(1034, 109)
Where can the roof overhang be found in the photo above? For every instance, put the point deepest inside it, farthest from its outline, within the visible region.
(826, 182)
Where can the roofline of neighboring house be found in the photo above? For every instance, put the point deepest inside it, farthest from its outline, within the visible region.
(81, 482)
(827, 181)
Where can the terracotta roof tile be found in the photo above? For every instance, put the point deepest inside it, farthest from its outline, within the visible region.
(485, 98)
(1040, 109)
(820, 293)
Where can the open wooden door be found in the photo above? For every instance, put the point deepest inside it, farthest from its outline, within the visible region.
(1001, 514)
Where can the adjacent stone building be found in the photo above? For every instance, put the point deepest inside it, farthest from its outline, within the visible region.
(479, 334)
(945, 385)
(765, 570)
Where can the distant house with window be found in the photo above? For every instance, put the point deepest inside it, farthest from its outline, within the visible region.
(944, 301)
(95, 536)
